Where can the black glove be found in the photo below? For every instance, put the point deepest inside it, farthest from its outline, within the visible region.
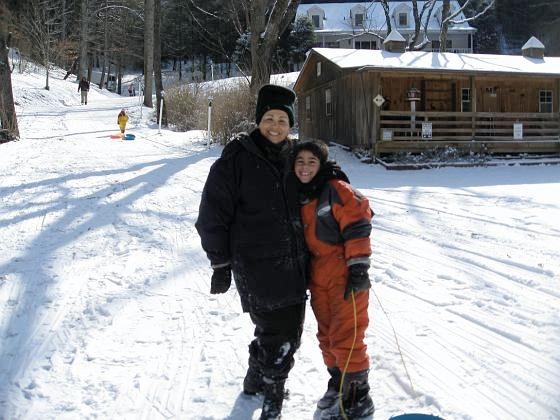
(358, 279)
(221, 280)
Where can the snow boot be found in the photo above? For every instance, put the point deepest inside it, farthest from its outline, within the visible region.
(355, 399)
(333, 387)
(273, 399)
(253, 383)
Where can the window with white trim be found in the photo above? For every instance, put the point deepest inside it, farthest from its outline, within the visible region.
(316, 19)
(359, 19)
(308, 108)
(318, 68)
(328, 102)
(365, 45)
(545, 101)
(403, 19)
(466, 100)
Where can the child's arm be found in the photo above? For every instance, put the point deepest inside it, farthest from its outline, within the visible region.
(353, 215)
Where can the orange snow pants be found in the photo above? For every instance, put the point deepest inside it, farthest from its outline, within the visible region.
(335, 316)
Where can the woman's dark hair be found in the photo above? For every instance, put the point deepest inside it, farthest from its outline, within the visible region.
(317, 147)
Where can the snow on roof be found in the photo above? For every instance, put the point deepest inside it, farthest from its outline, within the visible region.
(394, 36)
(533, 43)
(422, 60)
(337, 16)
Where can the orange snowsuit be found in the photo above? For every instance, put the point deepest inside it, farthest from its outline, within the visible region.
(337, 226)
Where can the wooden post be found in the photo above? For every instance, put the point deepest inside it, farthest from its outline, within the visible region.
(376, 113)
(558, 104)
(473, 106)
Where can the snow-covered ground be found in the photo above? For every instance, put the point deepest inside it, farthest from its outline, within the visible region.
(104, 304)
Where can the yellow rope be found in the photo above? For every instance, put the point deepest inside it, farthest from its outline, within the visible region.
(349, 356)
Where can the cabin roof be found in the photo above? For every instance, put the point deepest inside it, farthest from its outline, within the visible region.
(438, 62)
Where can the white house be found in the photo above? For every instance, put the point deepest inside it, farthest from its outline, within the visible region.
(354, 25)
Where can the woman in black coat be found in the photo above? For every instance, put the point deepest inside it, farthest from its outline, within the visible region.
(249, 224)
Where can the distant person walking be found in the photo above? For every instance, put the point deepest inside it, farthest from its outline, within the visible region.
(131, 90)
(84, 87)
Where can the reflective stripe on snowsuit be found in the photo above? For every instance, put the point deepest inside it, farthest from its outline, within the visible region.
(337, 226)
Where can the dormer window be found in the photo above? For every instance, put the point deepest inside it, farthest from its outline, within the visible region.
(403, 19)
(316, 21)
(317, 15)
(358, 15)
(359, 19)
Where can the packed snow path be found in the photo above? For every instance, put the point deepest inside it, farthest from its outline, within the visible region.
(104, 303)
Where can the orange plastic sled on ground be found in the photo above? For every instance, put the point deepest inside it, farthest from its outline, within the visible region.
(117, 136)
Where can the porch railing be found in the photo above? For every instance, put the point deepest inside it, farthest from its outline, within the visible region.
(469, 126)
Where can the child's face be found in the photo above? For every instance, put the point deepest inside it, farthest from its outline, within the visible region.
(306, 166)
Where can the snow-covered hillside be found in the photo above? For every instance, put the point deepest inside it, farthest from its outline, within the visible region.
(104, 304)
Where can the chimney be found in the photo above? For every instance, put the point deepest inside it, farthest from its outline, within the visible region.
(533, 49)
(395, 42)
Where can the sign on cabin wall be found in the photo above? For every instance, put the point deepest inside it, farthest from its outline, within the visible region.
(518, 131)
(426, 130)
(387, 135)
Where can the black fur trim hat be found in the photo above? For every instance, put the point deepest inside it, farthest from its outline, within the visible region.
(275, 97)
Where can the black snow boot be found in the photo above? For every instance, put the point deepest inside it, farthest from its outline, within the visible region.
(355, 399)
(253, 383)
(273, 399)
(333, 388)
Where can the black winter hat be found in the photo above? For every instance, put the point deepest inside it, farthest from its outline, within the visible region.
(275, 97)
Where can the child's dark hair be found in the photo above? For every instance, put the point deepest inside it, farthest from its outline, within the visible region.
(317, 147)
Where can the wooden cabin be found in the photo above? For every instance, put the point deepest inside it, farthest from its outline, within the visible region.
(412, 101)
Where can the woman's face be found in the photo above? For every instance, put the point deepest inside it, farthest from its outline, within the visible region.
(275, 125)
(306, 166)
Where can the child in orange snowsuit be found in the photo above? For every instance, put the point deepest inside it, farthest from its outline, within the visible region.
(337, 225)
(122, 119)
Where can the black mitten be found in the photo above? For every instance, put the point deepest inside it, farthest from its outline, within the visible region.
(358, 279)
(221, 280)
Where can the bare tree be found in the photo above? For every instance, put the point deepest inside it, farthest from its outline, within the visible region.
(421, 18)
(84, 27)
(448, 17)
(8, 118)
(42, 23)
(148, 51)
(157, 61)
(265, 20)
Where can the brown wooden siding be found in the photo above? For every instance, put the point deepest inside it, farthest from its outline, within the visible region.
(357, 121)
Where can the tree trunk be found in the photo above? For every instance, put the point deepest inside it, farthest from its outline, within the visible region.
(148, 51)
(445, 11)
(157, 62)
(83, 39)
(265, 32)
(63, 23)
(8, 118)
(105, 48)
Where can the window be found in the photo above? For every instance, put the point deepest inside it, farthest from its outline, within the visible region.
(365, 45)
(328, 102)
(333, 44)
(359, 19)
(403, 19)
(316, 21)
(545, 101)
(465, 100)
(318, 68)
(308, 108)
(436, 45)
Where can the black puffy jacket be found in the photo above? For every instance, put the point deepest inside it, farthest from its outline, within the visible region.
(249, 216)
